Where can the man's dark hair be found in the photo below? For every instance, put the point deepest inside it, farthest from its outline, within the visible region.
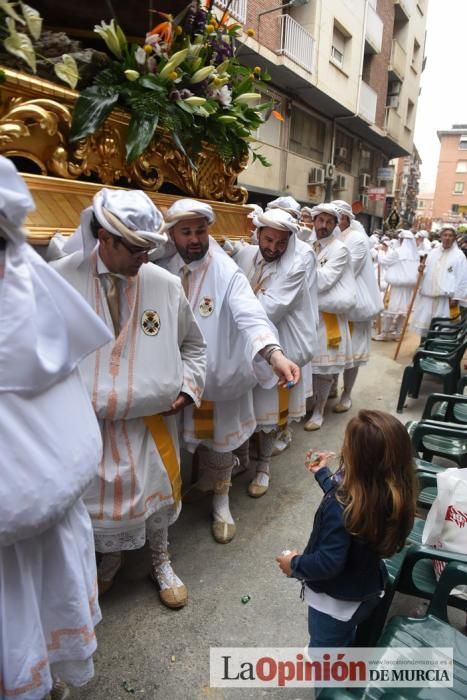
(95, 226)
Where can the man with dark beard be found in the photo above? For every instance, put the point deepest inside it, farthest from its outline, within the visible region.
(240, 344)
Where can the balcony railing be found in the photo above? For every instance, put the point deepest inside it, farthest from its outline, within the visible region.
(393, 124)
(367, 106)
(374, 29)
(398, 60)
(296, 43)
(237, 8)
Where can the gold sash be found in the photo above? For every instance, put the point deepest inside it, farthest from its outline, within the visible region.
(283, 406)
(333, 334)
(203, 420)
(351, 327)
(454, 312)
(163, 441)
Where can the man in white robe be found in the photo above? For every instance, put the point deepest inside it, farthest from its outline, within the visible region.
(336, 297)
(422, 240)
(153, 368)
(368, 300)
(400, 271)
(288, 204)
(444, 283)
(278, 269)
(240, 343)
(50, 451)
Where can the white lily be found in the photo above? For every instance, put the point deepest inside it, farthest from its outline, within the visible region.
(174, 62)
(195, 101)
(131, 75)
(113, 37)
(248, 98)
(202, 74)
(9, 10)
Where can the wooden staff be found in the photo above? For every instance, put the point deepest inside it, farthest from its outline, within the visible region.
(410, 306)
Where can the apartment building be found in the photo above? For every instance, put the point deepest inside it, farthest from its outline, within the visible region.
(450, 198)
(345, 77)
(405, 188)
(424, 213)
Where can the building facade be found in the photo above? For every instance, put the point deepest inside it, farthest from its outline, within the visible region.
(424, 217)
(450, 198)
(345, 78)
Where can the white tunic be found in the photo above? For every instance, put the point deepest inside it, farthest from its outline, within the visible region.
(401, 272)
(51, 447)
(368, 302)
(236, 328)
(445, 278)
(336, 295)
(284, 292)
(139, 374)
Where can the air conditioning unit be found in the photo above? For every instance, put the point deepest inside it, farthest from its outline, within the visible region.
(393, 101)
(340, 183)
(364, 200)
(364, 180)
(316, 176)
(329, 171)
(341, 152)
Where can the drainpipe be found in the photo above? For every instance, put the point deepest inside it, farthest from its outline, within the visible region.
(351, 116)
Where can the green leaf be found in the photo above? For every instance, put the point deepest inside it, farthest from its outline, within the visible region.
(177, 141)
(67, 70)
(139, 135)
(150, 82)
(91, 108)
(20, 45)
(33, 20)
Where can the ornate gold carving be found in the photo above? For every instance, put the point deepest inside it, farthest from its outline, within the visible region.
(35, 118)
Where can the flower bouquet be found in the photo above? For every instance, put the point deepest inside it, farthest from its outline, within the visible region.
(186, 79)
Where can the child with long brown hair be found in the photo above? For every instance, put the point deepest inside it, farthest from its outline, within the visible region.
(366, 513)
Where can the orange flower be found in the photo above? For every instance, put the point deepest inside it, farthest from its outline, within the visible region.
(277, 115)
(250, 32)
(164, 29)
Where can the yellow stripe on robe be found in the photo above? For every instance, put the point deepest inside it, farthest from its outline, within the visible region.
(333, 333)
(350, 327)
(164, 443)
(203, 420)
(454, 312)
(283, 406)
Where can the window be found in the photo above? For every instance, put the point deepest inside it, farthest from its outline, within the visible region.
(458, 188)
(366, 161)
(415, 54)
(461, 166)
(307, 135)
(455, 208)
(421, 204)
(343, 151)
(339, 40)
(463, 143)
(410, 113)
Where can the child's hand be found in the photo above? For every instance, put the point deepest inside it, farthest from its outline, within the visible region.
(314, 461)
(284, 561)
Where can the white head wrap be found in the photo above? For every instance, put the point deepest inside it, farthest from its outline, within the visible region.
(255, 210)
(188, 209)
(405, 233)
(128, 214)
(288, 204)
(448, 227)
(307, 210)
(325, 209)
(422, 234)
(15, 202)
(278, 219)
(343, 208)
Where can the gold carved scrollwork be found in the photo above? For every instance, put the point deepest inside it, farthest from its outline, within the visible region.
(35, 119)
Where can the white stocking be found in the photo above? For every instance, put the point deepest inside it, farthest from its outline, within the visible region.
(350, 375)
(266, 446)
(161, 566)
(321, 388)
(220, 465)
(108, 566)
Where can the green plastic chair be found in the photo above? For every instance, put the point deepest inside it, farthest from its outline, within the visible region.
(433, 630)
(446, 408)
(442, 363)
(430, 438)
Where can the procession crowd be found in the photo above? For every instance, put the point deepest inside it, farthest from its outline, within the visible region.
(141, 335)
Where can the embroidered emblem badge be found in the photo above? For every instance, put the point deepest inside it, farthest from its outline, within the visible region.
(450, 268)
(322, 262)
(206, 306)
(150, 322)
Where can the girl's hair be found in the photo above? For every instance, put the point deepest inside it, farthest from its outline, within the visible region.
(378, 488)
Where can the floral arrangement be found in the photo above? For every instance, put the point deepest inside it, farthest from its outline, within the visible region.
(185, 78)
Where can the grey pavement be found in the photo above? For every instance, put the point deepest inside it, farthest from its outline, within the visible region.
(147, 651)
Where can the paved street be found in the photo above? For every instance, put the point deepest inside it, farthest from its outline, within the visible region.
(146, 651)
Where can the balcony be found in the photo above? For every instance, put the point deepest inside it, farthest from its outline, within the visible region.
(237, 8)
(367, 106)
(393, 124)
(296, 43)
(398, 62)
(403, 10)
(373, 31)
